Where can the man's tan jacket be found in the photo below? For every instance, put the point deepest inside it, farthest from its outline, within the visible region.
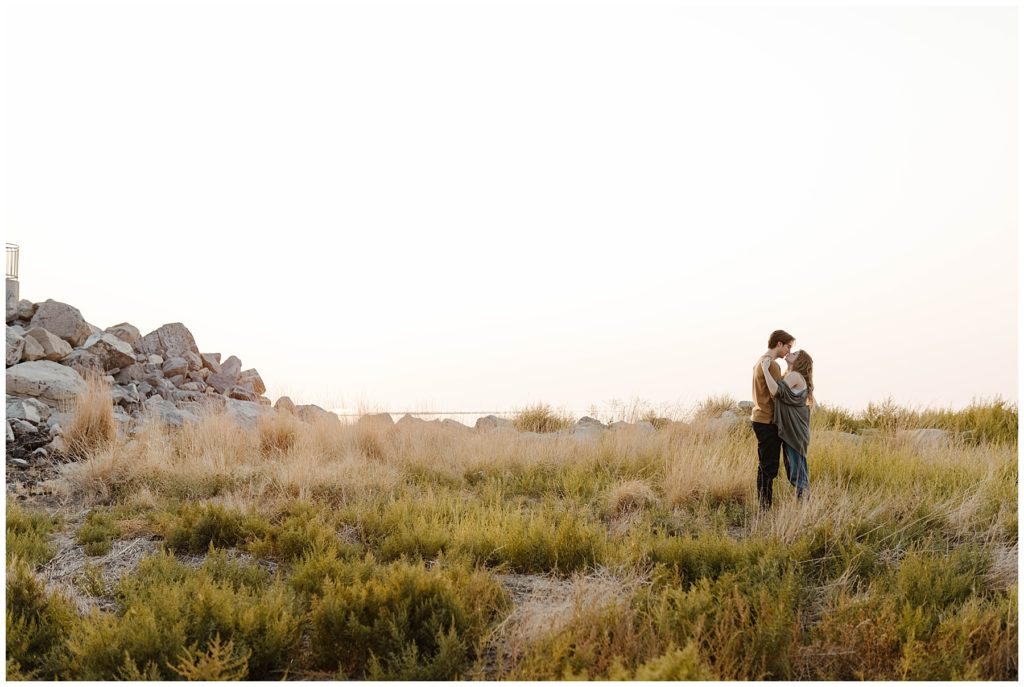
(764, 403)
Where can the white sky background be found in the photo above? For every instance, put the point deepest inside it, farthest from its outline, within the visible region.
(478, 207)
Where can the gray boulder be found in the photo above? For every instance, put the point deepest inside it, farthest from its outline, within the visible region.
(241, 393)
(925, 439)
(246, 413)
(587, 421)
(175, 366)
(130, 375)
(285, 404)
(170, 340)
(26, 309)
(83, 362)
(167, 412)
(313, 413)
(112, 351)
(489, 422)
(45, 379)
(125, 395)
(231, 366)
(15, 346)
(63, 320)
(376, 420)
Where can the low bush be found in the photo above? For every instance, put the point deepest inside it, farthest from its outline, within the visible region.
(28, 535)
(541, 418)
(97, 533)
(39, 624)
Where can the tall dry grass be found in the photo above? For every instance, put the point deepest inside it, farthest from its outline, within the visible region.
(92, 426)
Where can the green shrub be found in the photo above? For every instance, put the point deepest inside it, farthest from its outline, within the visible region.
(195, 528)
(97, 533)
(169, 610)
(28, 535)
(38, 626)
(403, 622)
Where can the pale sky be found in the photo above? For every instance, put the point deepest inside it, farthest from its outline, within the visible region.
(480, 206)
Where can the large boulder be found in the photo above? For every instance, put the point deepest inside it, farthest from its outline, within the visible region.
(15, 346)
(26, 309)
(130, 374)
(252, 377)
(54, 347)
(126, 332)
(83, 362)
(925, 439)
(63, 320)
(285, 405)
(489, 422)
(175, 366)
(45, 379)
(112, 351)
(376, 420)
(314, 413)
(33, 350)
(170, 340)
(246, 413)
(168, 412)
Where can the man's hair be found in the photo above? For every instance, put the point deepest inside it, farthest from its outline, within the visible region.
(780, 336)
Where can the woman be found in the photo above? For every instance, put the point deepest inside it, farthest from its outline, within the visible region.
(793, 398)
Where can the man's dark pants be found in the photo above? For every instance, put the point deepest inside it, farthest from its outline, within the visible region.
(769, 447)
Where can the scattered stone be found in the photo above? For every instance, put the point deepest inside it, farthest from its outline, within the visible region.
(23, 427)
(154, 359)
(241, 393)
(57, 445)
(126, 332)
(45, 379)
(10, 434)
(231, 367)
(409, 420)
(126, 395)
(18, 461)
(63, 320)
(454, 424)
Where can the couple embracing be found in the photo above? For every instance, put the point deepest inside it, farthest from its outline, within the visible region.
(782, 415)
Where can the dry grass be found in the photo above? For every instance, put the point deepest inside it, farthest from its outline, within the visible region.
(92, 426)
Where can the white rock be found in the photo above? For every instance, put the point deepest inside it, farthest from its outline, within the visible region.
(10, 433)
(15, 346)
(587, 421)
(45, 379)
(63, 320)
(175, 366)
(154, 359)
(454, 424)
(30, 409)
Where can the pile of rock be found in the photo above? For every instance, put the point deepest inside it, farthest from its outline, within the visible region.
(51, 349)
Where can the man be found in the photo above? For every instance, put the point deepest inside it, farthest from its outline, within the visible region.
(762, 418)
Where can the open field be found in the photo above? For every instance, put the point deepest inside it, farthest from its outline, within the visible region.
(429, 551)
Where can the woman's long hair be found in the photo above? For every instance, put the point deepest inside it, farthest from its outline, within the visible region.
(804, 364)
